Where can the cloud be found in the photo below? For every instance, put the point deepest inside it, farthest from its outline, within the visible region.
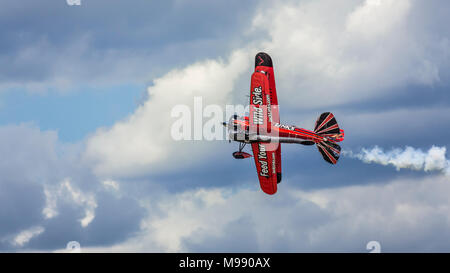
(26, 147)
(111, 185)
(31, 70)
(402, 214)
(142, 142)
(408, 158)
(51, 206)
(375, 18)
(384, 44)
(46, 162)
(45, 186)
(360, 50)
(25, 236)
(67, 192)
(76, 47)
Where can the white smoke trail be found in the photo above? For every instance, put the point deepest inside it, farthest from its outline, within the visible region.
(409, 158)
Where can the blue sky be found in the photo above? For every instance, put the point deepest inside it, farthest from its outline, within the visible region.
(72, 114)
(86, 94)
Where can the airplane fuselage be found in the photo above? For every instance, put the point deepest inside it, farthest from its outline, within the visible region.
(276, 133)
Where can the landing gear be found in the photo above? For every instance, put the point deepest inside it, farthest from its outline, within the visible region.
(241, 146)
(240, 154)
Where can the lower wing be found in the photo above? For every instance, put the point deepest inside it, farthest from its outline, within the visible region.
(266, 165)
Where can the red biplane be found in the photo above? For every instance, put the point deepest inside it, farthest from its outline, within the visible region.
(263, 130)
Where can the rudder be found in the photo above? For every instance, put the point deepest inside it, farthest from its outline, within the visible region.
(327, 127)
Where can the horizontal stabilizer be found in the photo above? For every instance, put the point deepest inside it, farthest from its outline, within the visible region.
(330, 151)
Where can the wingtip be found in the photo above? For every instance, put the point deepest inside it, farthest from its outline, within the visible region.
(263, 59)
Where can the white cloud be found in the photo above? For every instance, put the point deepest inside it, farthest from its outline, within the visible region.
(328, 52)
(375, 18)
(25, 236)
(69, 193)
(111, 185)
(403, 215)
(142, 142)
(51, 206)
(82, 199)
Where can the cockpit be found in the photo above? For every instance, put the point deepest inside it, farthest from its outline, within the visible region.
(237, 128)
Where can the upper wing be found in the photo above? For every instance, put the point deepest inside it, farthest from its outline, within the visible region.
(266, 163)
(263, 113)
(264, 65)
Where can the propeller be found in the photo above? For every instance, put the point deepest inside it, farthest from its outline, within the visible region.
(227, 124)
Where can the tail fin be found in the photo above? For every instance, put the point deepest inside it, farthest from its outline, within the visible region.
(327, 126)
